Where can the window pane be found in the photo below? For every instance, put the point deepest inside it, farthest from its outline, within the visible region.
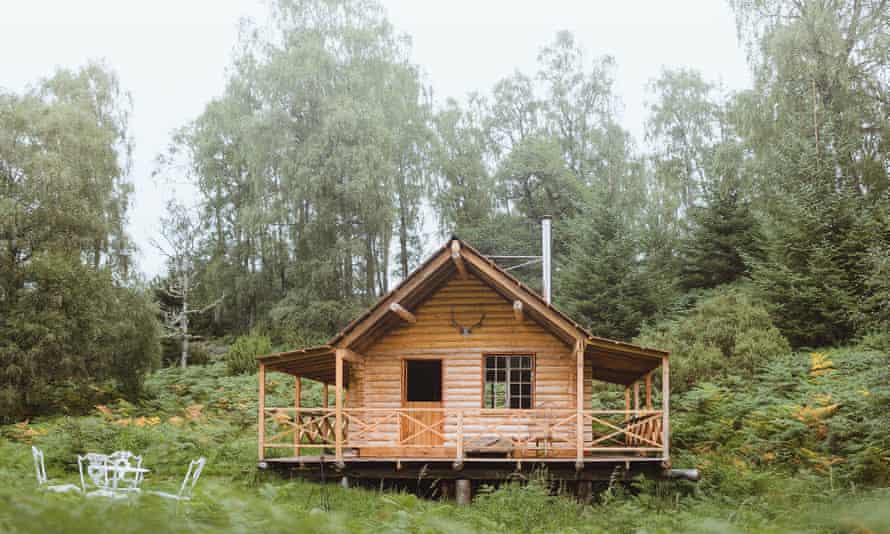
(508, 381)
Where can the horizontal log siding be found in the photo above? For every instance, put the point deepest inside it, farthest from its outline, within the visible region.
(377, 384)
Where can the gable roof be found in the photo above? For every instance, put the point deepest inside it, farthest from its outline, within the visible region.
(613, 361)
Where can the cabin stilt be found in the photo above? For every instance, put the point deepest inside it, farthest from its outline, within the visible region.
(463, 491)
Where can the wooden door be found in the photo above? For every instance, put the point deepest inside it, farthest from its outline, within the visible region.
(422, 390)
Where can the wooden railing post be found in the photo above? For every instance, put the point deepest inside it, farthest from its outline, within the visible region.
(298, 390)
(666, 407)
(649, 390)
(338, 418)
(637, 397)
(261, 423)
(626, 403)
(459, 460)
(579, 405)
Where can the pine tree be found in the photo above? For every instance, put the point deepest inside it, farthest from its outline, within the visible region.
(721, 235)
(603, 282)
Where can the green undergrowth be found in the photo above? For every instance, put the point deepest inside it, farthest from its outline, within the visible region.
(803, 446)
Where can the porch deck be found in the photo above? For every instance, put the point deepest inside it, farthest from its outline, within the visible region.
(307, 436)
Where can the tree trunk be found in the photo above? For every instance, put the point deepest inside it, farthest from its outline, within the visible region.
(184, 321)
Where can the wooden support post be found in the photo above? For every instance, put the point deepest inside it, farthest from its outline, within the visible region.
(666, 407)
(261, 423)
(399, 310)
(579, 404)
(637, 395)
(446, 490)
(298, 390)
(338, 407)
(324, 395)
(518, 313)
(463, 491)
(649, 390)
(584, 490)
(458, 260)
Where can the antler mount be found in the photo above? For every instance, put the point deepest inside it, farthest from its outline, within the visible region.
(466, 330)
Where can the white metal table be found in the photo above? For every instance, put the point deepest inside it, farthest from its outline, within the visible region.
(109, 474)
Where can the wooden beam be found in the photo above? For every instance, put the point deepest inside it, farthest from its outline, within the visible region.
(261, 423)
(579, 404)
(636, 395)
(649, 390)
(338, 406)
(666, 407)
(298, 390)
(458, 260)
(399, 310)
(352, 356)
(518, 313)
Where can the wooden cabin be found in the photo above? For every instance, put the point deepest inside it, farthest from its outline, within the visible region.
(463, 372)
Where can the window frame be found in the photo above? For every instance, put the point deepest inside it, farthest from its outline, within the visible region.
(532, 356)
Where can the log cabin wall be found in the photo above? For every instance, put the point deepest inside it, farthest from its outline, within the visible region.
(377, 381)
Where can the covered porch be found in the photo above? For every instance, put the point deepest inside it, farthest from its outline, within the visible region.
(454, 437)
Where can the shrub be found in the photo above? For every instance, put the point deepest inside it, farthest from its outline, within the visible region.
(76, 328)
(172, 352)
(876, 341)
(241, 358)
(726, 333)
(198, 354)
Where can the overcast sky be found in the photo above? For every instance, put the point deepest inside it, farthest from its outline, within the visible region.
(171, 55)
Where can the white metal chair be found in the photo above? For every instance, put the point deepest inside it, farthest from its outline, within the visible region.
(188, 483)
(97, 467)
(40, 468)
(126, 481)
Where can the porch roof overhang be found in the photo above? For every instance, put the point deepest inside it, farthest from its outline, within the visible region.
(316, 363)
(611, 361)
(621, 363)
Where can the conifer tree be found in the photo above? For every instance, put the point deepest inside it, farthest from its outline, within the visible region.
(720, 236)
(603, 282)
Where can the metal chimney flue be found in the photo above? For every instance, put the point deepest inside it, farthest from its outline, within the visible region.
(546, 256)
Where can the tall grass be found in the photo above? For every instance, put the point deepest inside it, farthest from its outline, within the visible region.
(765, 447)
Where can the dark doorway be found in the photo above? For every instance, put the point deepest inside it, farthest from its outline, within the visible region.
(423, 380)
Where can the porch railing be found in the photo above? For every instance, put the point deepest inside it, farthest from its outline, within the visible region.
(464, 433)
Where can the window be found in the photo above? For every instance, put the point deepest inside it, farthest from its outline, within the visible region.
(508, 382)
(423, 380)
